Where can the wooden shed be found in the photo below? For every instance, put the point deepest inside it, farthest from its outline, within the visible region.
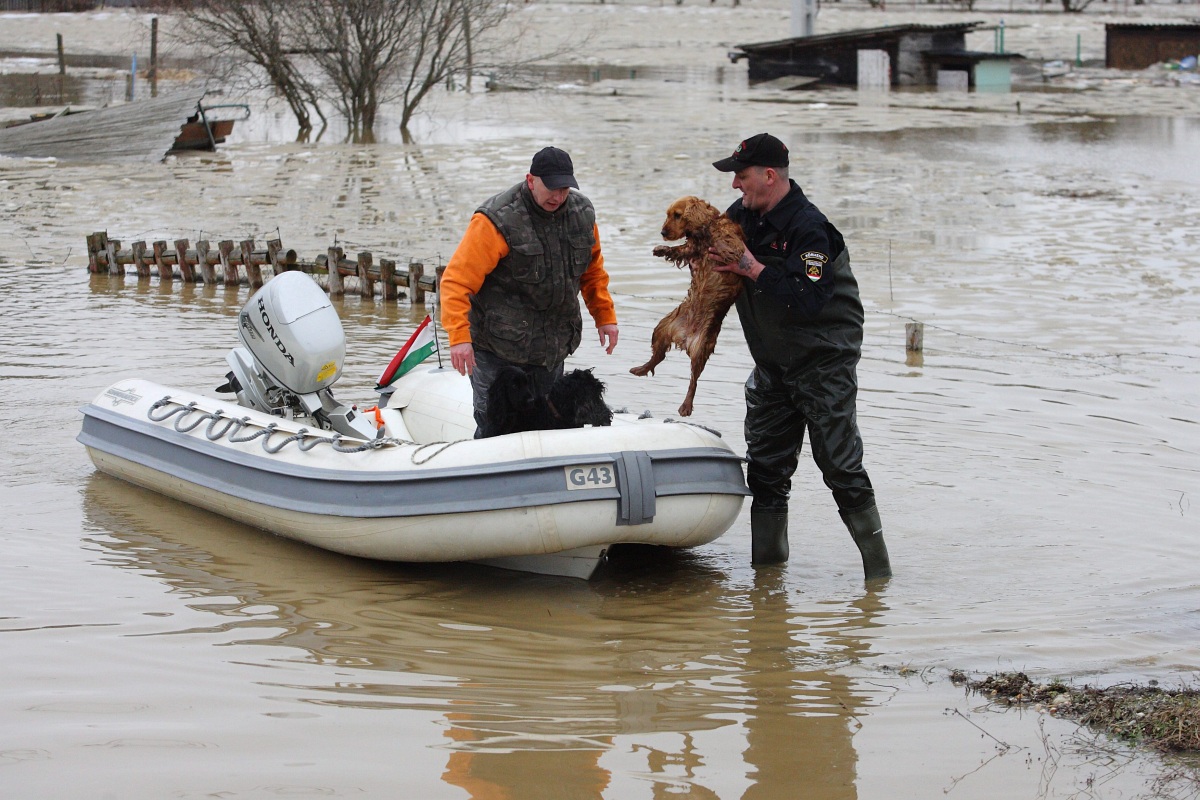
(1137, 46)
(833, 57)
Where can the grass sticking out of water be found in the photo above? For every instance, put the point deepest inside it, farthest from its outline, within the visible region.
(1166, 719)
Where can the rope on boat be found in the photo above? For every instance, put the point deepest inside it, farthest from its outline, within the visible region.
(713, 431)
(440, 449)
(304, 439)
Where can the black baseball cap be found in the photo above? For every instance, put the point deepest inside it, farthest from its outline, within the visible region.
(760, 150)
(554, 167)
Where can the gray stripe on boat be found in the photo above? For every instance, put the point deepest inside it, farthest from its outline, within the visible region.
(641, 476)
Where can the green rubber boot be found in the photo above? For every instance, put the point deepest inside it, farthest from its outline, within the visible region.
(768, 537)
(867, 532)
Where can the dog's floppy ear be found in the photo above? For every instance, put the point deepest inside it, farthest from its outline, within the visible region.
(699, 215)
(728, 240)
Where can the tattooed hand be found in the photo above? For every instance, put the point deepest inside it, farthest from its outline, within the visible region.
(746, 266)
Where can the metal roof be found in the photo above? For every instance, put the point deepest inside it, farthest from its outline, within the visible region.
(885, 32)
(1172, 26)
(971, 55)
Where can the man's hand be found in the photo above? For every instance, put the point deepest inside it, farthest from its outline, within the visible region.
(608, 333)
(747, 266)
(462, 358)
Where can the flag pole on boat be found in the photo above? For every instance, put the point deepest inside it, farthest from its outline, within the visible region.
(434, 314)
(420, 346)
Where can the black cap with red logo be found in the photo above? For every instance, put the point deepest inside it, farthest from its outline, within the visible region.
(761, 150)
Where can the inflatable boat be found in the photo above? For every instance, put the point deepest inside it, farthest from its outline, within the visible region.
(405, 480)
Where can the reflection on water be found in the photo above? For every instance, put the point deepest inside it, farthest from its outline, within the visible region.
(672, 675)
(548, 670)
(1152, 147)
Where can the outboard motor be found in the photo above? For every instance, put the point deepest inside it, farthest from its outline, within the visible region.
(292, 351)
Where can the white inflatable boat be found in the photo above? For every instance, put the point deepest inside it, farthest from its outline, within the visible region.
(405, 481)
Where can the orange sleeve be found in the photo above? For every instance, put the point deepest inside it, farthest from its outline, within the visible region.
(593, 285)
(478, 253)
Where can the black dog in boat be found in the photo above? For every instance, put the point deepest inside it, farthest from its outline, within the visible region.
(514, 404)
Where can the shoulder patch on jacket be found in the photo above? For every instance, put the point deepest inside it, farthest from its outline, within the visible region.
(814, 264)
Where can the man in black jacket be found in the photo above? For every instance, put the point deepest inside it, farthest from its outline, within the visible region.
(803, 321)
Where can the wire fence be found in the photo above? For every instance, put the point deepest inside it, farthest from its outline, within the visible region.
(56, 6)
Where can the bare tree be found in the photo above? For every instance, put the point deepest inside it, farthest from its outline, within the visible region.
(262, 31)
(378, 51)
(356, 54)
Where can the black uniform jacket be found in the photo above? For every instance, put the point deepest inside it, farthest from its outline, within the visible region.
(804, 309)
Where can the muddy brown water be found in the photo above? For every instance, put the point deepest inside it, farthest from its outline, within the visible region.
(1036, 470)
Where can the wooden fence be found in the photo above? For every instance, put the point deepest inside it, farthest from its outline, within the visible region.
(204, 263)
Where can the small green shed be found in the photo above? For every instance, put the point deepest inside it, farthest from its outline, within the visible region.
(986, 72)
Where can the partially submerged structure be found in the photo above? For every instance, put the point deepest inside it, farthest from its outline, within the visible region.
(1137, 46)
(916, 54)
(145, 130)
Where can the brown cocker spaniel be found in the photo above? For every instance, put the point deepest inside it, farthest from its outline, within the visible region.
(693, 326)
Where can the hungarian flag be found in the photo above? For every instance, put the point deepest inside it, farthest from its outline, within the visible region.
(420, 346)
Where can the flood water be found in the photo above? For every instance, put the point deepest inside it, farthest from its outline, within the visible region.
(1036, 468)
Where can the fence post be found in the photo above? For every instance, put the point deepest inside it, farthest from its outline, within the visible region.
(914, 336)
(335, 275)
(206, 270)
(387, 275)
(164, 269)
(253, 273)
(138, 249)
(154, 57)
(366, 284)
(914, 344)
(185, 268)
(114, 266)
(273, 248)
(228, 265)
(416, 271)
(94, 248)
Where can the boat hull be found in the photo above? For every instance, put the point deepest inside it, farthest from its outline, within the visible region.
(564, 494)
(195, 136)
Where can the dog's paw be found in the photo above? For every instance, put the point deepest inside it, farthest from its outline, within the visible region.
(662, 251)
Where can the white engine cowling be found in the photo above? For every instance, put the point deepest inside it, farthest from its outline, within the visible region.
(294, 333)
(292, 353)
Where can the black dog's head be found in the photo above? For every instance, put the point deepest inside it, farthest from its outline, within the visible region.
(512, 402)
(578, 399)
